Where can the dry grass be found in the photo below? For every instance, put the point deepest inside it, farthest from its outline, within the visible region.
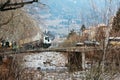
(11, 69)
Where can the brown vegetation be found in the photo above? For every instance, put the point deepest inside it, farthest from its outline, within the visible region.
(17, 25)
(11, 69)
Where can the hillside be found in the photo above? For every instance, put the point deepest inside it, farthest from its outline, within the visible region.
(16, 25)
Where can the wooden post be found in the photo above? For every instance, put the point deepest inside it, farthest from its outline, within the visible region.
(83, 60)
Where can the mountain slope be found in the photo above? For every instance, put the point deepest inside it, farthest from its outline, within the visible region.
(17, 25)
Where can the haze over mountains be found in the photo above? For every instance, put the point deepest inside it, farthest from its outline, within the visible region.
(60, 16)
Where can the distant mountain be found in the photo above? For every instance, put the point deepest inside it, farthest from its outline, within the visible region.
(61, 16)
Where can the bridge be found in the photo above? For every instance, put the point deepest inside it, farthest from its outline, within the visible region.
(60, 49)
(68, 50)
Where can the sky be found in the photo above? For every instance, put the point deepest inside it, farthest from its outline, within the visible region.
(59, 15)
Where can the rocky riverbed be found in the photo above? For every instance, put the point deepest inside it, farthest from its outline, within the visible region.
(52, 66)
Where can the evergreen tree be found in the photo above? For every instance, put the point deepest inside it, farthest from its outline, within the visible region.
(83, 27)
(116, 22)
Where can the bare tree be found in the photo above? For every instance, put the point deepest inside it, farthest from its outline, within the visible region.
(13, 4)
